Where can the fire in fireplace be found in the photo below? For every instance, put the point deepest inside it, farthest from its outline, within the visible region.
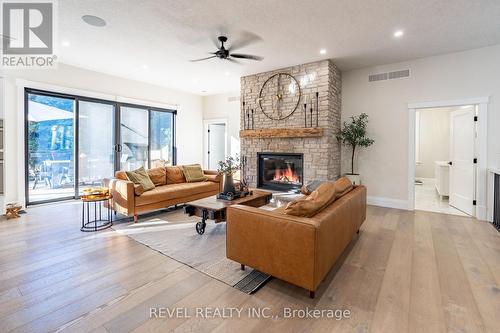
(280, 171)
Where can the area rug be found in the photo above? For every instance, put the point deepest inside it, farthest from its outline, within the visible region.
(173, 234)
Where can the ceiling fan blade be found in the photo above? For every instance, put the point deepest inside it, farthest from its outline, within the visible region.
(246, 56)
(247, 38)
(195, 60)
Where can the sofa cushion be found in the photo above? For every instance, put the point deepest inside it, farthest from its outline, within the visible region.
(175, 191)
(138, 189)
(121, 175)
(193, 173)
(313, 203)
(175, 175)
(140, 176)
(342, 186)
(158, 176)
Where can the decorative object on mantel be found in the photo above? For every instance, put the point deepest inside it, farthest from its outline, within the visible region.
(12, 210)
(317, 108)
(252, 120)
(305, 114)
(311, 111)
(295, 132)
(277, 88)
(353, 134)
(244, 118)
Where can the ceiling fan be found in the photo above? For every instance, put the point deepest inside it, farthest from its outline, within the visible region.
(223, 53)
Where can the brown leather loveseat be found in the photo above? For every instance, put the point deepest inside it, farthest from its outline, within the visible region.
(170, 189)
(298, 250)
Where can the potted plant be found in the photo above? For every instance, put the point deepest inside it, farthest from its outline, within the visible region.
(228, 168)
(353, 134)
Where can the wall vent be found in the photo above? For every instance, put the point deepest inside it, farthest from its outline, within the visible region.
(233, 99)
(389, 75)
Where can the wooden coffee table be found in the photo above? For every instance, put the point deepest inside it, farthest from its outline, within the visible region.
(211, 208)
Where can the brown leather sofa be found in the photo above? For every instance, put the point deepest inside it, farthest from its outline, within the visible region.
(298, 250)
(170, 189)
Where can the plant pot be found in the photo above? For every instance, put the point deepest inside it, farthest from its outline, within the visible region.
(355, 178)
(229, 184)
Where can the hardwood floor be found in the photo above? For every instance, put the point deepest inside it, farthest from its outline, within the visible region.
(405, 272)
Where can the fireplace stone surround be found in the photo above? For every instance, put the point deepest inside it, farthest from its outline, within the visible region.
(321, 155)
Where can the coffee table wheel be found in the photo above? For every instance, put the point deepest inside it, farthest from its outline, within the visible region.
(200, 228)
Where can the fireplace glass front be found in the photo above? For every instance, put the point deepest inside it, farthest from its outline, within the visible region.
(280, 171)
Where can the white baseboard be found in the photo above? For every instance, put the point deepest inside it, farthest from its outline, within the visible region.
(387, 202)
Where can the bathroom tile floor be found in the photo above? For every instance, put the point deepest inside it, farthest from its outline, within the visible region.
(427, 198)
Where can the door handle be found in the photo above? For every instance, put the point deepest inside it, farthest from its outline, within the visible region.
(450, 163)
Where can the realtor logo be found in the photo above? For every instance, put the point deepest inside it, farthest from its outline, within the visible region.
(28, 34)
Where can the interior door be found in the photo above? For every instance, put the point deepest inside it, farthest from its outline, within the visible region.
(462, 184)
(216, 144)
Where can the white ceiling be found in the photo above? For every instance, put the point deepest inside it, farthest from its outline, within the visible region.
(153, 40)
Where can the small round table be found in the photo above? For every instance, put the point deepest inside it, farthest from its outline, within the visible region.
(98, 222)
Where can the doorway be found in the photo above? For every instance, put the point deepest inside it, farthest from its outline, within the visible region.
(444, 154)
(216, 143)
(447, 161)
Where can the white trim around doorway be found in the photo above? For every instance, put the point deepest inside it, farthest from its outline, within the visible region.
(481, 149)
(206, 123)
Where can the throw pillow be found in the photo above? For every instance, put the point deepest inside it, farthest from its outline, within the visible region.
(140, 176)
(194, 173)
(175, 175)
(158, 176)
(342, 186)
(314, 203)
(311, 186)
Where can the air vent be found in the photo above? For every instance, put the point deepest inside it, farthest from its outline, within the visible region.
(389, 75)
(377, 77)
(399, 74)
(233, 99)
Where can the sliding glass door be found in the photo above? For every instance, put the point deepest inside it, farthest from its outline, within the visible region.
(134, 137)
(74, 142)
(162, 138)
(50, 147)
(96, 143)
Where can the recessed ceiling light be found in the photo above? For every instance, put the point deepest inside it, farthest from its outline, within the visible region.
(144, 66)
(94, 20)
(65, 43)
(203, 91)
(195, 80)
(322, 51)
(227, 73)
(398, 33)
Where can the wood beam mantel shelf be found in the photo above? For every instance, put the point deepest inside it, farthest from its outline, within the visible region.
(301, 132)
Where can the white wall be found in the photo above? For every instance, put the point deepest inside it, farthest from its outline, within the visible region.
(189, 116)
(434, 140)
(220, 107)
(468, 74)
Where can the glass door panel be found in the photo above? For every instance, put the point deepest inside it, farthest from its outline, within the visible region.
(162, 124)
(96, 139)
(134, 138)
(50, 148)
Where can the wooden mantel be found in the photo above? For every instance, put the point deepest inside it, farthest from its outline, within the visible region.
(301, 132)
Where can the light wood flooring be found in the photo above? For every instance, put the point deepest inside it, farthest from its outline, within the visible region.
(405, 272)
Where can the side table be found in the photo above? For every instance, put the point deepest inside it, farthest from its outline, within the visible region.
(98, 222)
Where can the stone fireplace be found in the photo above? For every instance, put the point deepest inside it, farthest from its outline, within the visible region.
(280, 171)
(294, 136)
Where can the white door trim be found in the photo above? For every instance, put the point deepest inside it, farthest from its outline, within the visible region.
(481, 149)
(207, 122)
